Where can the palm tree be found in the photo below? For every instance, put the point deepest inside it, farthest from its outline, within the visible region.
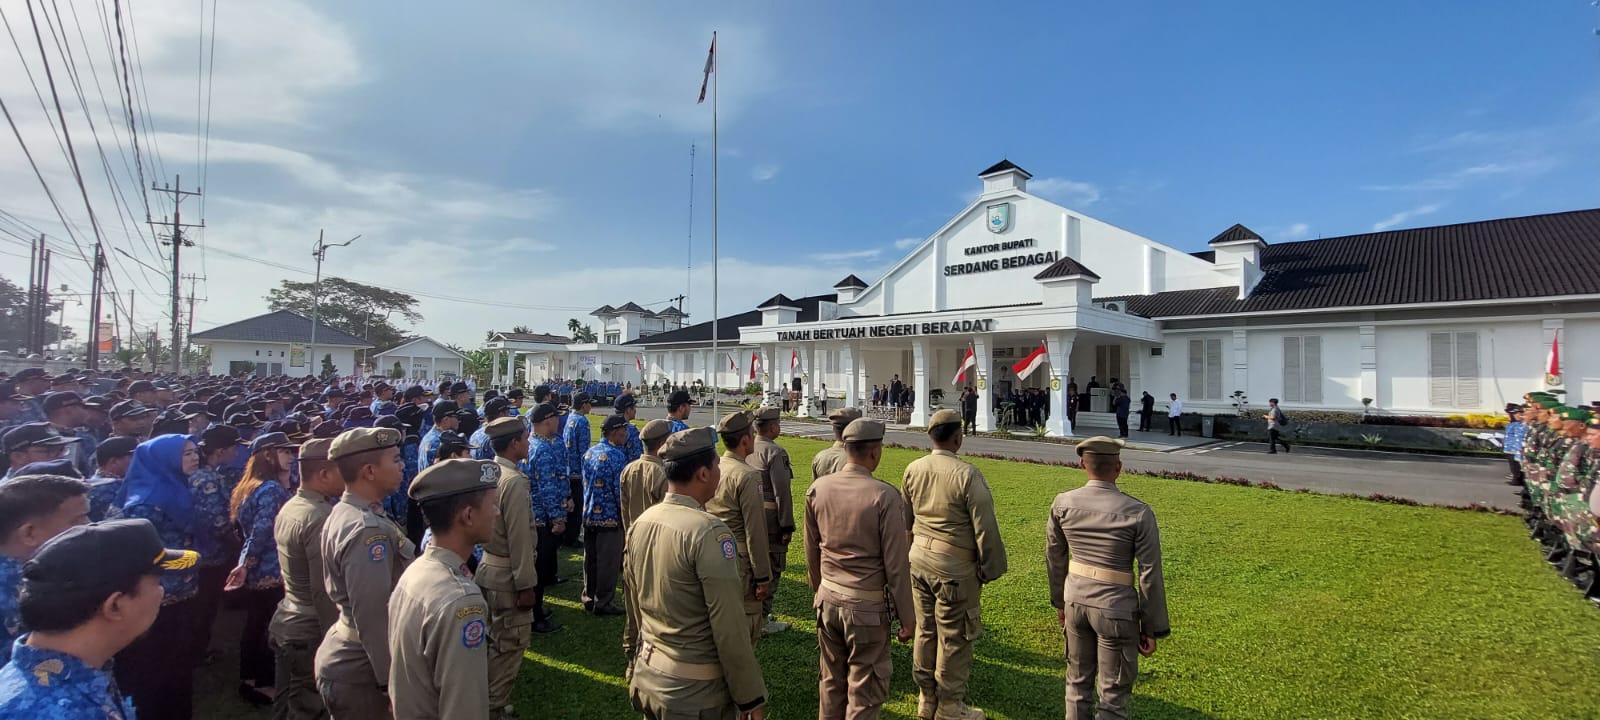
(580, 332)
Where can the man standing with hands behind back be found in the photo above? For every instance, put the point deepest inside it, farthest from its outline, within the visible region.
(509, 573)
(1110, 618)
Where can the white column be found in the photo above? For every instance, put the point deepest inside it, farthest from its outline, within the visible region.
(1136, 353)
(1059, 346)
(494, 379)
(920, 357)
(433, 369)
(1369, 364)
(511, 369)
(1241, 364)
(813, 376)
(858, 356)
(849, 375)
(983, 353)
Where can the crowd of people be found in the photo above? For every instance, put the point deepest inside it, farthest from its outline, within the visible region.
(1553, 452)
(391, 550)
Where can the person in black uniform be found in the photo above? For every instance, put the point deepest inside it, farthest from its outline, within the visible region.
(1120, 402)
(1147, 408)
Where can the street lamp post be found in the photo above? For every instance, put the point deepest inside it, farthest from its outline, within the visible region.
(319, 251)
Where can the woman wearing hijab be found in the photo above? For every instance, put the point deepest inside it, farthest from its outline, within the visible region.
(157, 670)
(263, 490)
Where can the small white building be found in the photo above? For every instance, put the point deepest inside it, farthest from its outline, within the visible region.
(419, 359)
(544, 357)
(278, 343)
(1441, 320)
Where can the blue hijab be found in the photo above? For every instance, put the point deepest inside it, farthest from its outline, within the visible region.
(155, 478)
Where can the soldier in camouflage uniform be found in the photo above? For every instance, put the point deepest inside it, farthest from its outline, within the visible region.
(1566, 425)
(1569, 498)
(1533, 417)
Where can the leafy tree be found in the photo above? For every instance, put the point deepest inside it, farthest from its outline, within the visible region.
(580, 332)
(361, 310)
(14, 318)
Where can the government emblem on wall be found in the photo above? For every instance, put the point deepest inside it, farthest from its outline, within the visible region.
(1000, 218)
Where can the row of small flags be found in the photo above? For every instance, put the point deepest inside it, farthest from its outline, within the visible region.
(733, 364)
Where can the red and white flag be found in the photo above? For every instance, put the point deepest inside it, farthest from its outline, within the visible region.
(1552, 371)
(639, 362)
(1027, 365)
(732, 364)
(794, 359)
(711, 66)
(967, 363)
(755, 363)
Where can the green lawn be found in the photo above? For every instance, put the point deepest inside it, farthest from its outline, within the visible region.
(1283, 605)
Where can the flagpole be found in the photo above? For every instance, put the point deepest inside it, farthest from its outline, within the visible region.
(715, 249)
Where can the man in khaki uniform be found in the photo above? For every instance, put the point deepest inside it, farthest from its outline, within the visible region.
(644, 481)
(738, 505)
(856, 560)
(955, 550)
(777, 498)
(436, 614)
(507, 572)
(1093, 537)
(687, 640)
(305, 613)
(363, 554)
(831, 458)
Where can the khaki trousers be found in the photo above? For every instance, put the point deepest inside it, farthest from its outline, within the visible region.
(659, 696)
(779, 555)
(296, 682)
(508, 638)
(853, 646)
(949, 620)
(354, 701)
(752, 607)
(1103, 648)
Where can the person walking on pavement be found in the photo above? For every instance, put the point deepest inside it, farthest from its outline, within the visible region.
(856, 560)
(1109, 616)
(1174, 415)
(687, 639)
(1276, 420)
(508, 574)
(955, 550)
(777, 498)
(440, 668)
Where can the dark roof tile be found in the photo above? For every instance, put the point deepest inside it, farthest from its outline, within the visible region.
(1003, 166)
(604, 310)
(728, 327)
(1065, 267)
(1236, 233)
(633, 308)
(282, 326)
(779, 300)
(850, 281)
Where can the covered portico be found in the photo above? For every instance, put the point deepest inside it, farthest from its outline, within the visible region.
(509, 349)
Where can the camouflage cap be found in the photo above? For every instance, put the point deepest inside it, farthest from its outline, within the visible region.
(862, 430)
(655, 430)
(454, 477)
(734, 422)
(944, 417)
(686, 443)
(316, 449)
(1101, 445)
(360, 440)
(501, 427)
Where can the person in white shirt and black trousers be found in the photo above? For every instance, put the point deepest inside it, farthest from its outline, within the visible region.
(1174, 414)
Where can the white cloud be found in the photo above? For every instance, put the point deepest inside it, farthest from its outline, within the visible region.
(1297, 231)
(1067, 192)
(1457, 178)
(840, 257)
(764, 172)
(907, 243)
(1400, 217)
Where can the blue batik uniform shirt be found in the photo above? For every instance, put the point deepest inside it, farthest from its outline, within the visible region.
(577, 439)
(480, 439)
(633, 447)
(259, 556)
(677, 425)
(396, 503)
(103, 493)
(602, 485)
(430, 448)
(546, 468)
(1516, 433)
(211, 524)
(179, 585)
(10, 618)
(47, 685)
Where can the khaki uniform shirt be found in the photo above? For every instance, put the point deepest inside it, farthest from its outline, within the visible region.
(437, 637)
(305, 612)
(644, 483)
(738, 505)
(828, 460)
(1099, 525)
(777, 485)
(856, 537)
(508, 556)
(364, 553)
(680, 569)
(947, 499)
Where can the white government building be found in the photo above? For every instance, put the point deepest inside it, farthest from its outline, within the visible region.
(1440, 320)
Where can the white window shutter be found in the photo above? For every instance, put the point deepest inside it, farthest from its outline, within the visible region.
(1441, 369)
(1311, 369)
(1197, 369)
(1467, 382)
(1292, 369)
(1213, 369)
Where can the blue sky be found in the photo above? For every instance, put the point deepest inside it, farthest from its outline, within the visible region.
(537, 155)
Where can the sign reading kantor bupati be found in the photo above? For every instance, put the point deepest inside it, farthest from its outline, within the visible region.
(892, 330)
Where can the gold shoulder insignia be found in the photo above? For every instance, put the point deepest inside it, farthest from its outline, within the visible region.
(469, 611)
(44, 670)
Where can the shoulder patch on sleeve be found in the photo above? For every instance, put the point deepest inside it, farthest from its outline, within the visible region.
(378, 548)
(730, 549)
(472, 634)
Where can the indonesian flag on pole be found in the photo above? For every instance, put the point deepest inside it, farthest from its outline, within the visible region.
(755, 363)
(732, 364)
(794, 359)
(1027, 365)
(1553, 363)
(967, 363)
(711, 66)
(639, 362)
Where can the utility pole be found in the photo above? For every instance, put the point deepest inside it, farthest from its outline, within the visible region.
(178, 242)
(33, 291)
(44, 300)
(92, 356)
(130, 321)
(319, 251)
(189, 326)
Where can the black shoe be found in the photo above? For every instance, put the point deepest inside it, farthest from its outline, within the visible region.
(1272, 452)
(1286, 448)
(545, 626)
(609, 611)
(253, 696)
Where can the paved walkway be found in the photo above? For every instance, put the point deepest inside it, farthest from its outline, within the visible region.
(1424, 478)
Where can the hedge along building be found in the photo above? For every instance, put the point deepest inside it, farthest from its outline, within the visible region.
(1440, 320)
